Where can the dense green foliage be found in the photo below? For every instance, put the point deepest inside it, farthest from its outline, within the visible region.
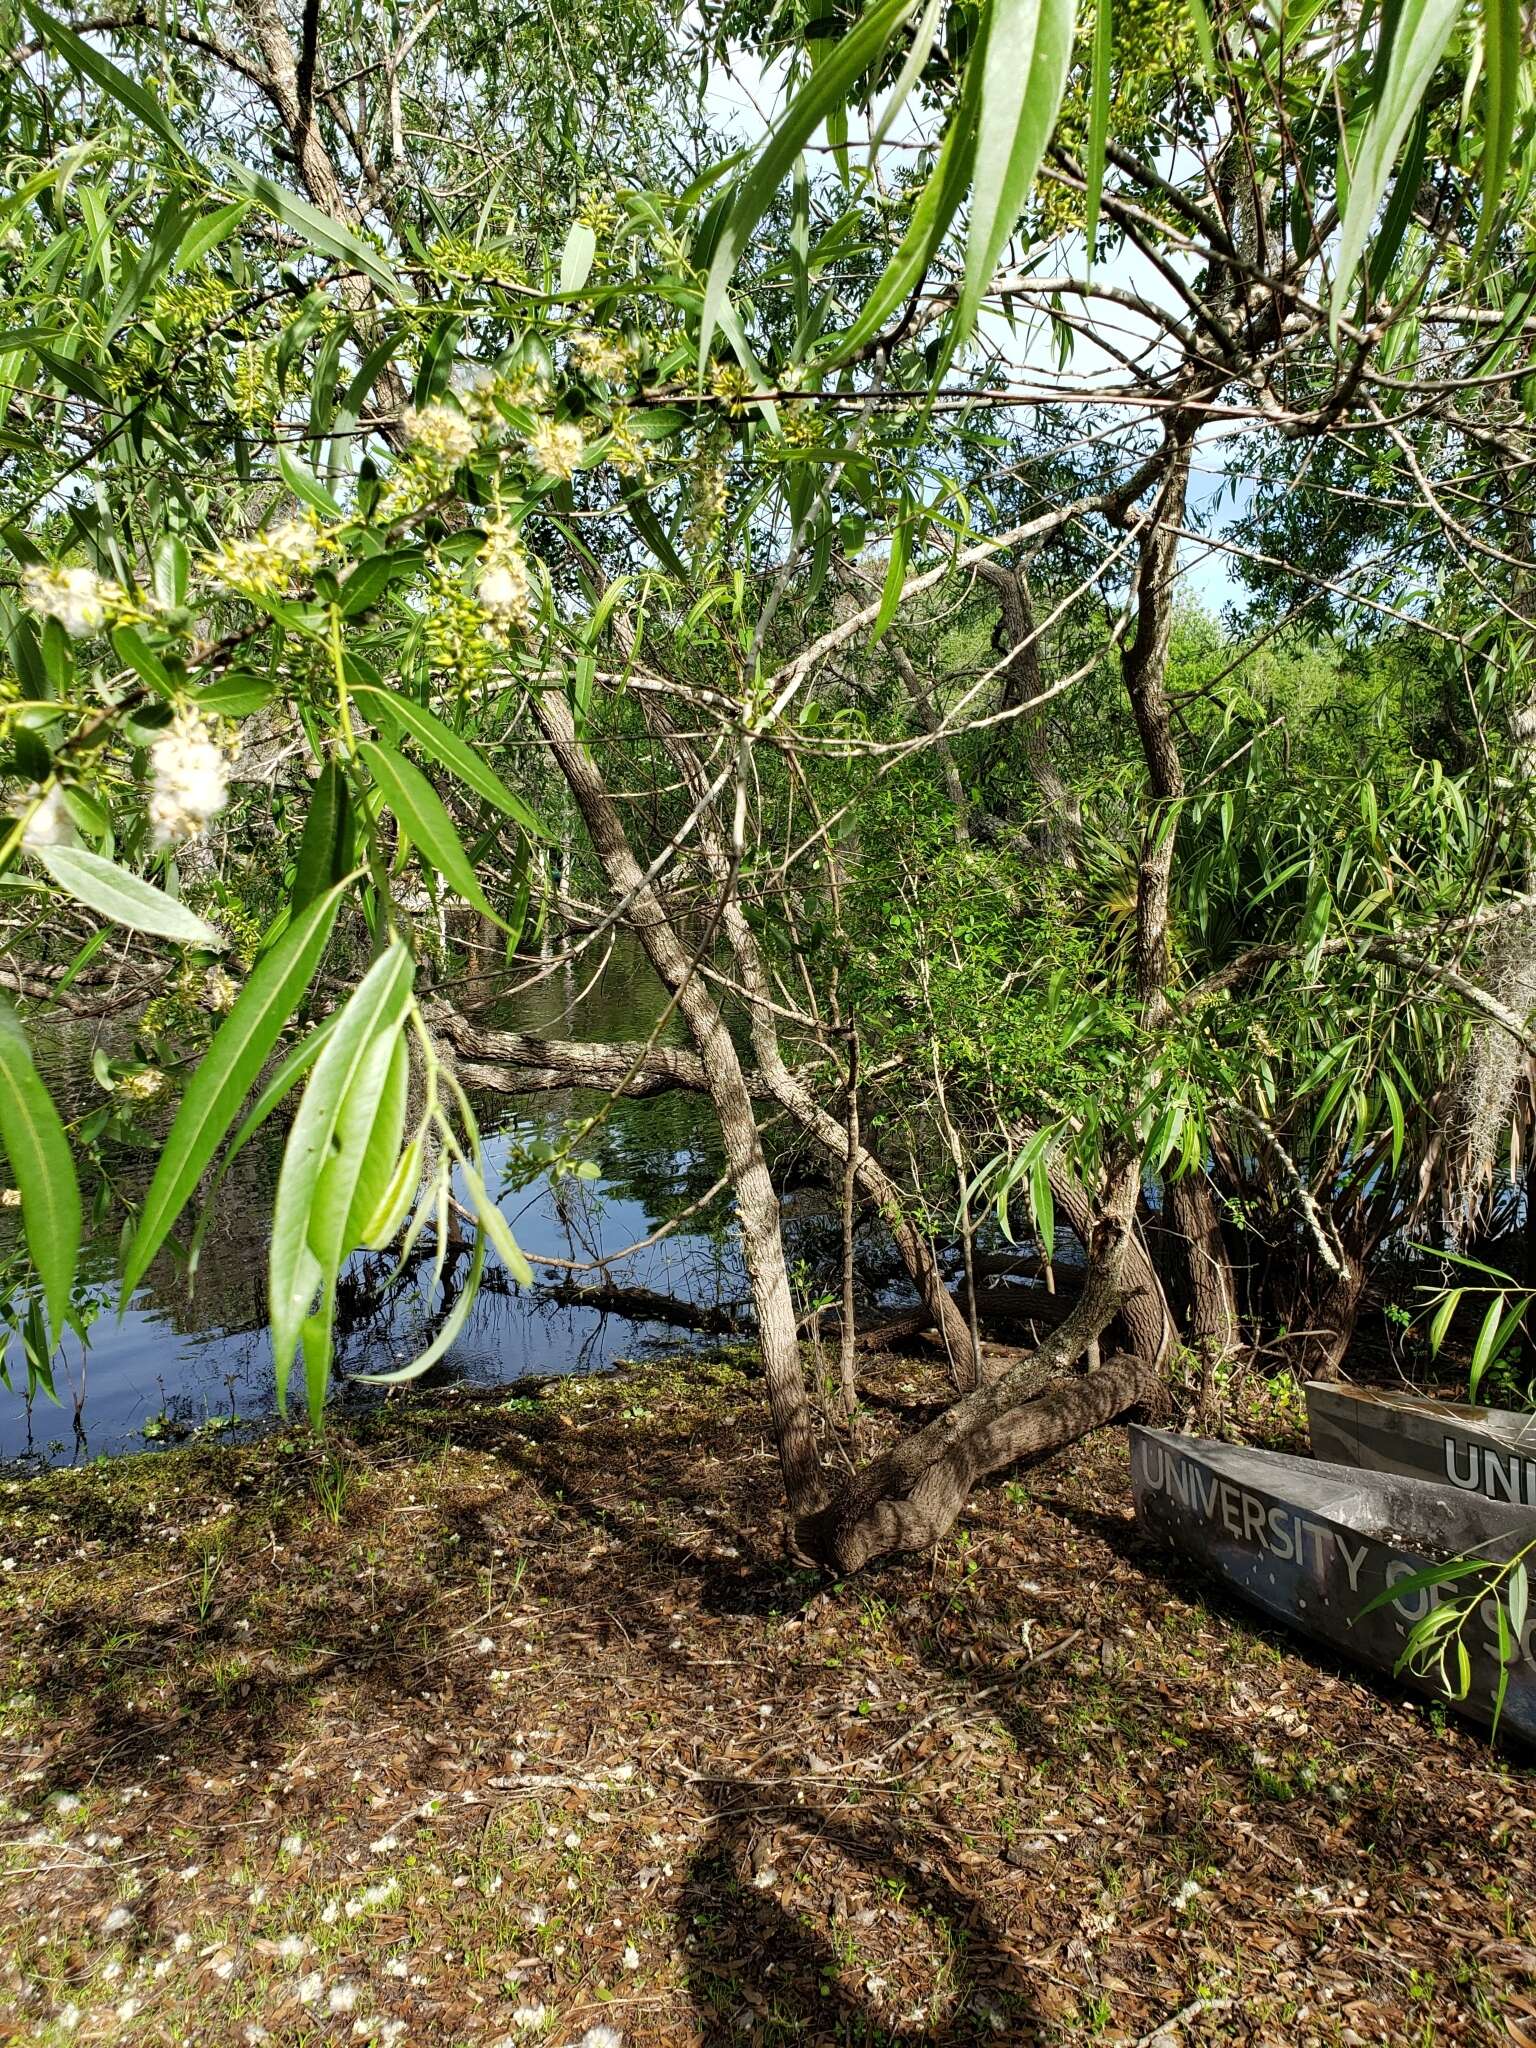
(409, 423)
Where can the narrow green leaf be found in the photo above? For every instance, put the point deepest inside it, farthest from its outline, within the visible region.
(43, 1168)
(295, 1274)
(1485, 1349)
(235, 695)
(383, 1226)
(421, 816)
(364, 1115)
(495, 1226)
(1412, 44)
(318, 229)
(1420, 1581)
(1098, 116)
(1502, 33)
(1517, 1595)
(576, 258)
(205, 235)
(828, 87)
(126, 899)
(1442, 1319)
(225, 1075)
(372, 577)
(1200, 22)
(90, 63)
(306, 485)
(449, 751)
(446, 1337)
(324, 843)
(381, 1153)
(895, 578)
(1029, 41)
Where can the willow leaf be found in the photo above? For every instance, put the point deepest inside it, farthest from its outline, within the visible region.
(42, 1166)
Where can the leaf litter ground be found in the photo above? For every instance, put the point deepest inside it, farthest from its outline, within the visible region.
(501, 1719)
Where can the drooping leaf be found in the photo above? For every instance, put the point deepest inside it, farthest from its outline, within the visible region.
(90, 63)
(496, 1228)
(1024, 73)
(827, 88)
(446, 1337)
(419, 810)
(1413, 40)
(1503, 31)
(42, 1166)
(325, 840)
(225, 1075)
(449, 751)
(101, 885)
(295, 1274)
(1098, 116)
(319, 230)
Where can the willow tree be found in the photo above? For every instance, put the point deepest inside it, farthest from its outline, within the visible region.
(383, 494)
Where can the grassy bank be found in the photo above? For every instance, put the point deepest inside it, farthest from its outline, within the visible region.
(503, 1718)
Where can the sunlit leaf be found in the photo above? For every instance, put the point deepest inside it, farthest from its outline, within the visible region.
(42, 1167)
(225, 1075)
(101, 885)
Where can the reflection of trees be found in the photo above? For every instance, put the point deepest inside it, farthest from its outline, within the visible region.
(656, 1157)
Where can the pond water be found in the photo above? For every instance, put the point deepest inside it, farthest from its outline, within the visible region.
(175, 1362)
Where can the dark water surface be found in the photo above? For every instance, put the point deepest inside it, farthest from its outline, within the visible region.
(174, 1364)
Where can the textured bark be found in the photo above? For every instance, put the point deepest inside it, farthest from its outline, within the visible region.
(757, 1207)
(1212, 1291)
(1022, 683)
(1331, 1331)
(520, 1062)
(1212, 1326)
(909, 1497)
(1144, 1314)
(791, 1093)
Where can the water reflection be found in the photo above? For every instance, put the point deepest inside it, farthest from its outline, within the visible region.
(181, 1359)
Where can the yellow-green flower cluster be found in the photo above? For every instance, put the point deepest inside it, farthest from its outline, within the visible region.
(625, 450)
(457, 635)
(707, 498)
(606, 357)
(729, 381)
(79, 599)
(266, 564)
(556, 447)
(502, 585)
(191, 308)
(441, 433)
(143, 1086)
(254, 394)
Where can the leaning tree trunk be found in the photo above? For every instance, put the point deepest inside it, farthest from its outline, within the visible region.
(909, 1498)
(1144, 1314)
(830, 1133)
(757, 1206)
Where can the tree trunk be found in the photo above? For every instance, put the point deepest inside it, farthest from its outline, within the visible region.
(786, 1088)
(909, 1497)
(1144, 1314)
(1212, 1325)
(1212, 1291)
(1023, 682)
(757, 1206)
(1331, 1322)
